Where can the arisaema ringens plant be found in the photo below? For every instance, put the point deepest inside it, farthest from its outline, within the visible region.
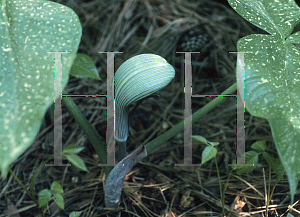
(136, 79)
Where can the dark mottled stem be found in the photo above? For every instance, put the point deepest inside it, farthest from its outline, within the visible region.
(121, 150)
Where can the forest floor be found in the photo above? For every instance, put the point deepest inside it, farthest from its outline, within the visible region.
(155, 186)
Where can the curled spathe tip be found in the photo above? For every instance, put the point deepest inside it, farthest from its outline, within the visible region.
(137, 78)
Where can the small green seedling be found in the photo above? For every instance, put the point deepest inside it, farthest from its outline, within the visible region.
(44, 196)
(70, 152)
(251, 157)
(56, 190)
(208, 153)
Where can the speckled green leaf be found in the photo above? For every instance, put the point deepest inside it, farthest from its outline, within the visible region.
(29, 29)
(84, 67)
(272, 75)
(273, 16)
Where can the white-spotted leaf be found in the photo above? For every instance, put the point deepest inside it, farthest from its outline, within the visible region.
(272, 75)
(30, 28)
(273, 16)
